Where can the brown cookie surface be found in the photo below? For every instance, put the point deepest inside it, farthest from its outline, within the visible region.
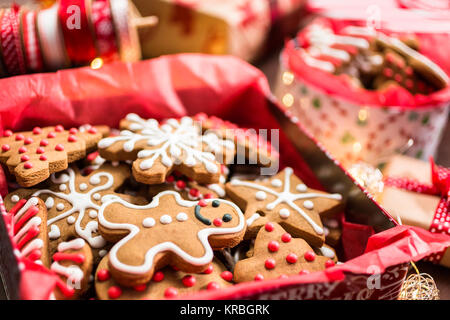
(167, 231)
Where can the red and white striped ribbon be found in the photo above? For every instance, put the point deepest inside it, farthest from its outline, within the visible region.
(31, 46)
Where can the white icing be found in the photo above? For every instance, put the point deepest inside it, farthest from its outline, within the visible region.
(79, 202)
(50, 202)
(62, 187)
(148, 222)
(60, 206)
(287, 197)
(33, 222)
(15, 198)
(217, 189)
(308, 204)
(253, 218)
(75, 244)
(285, 213)
(71, 220)
(327, 252)
(92, 214)
(301, 188)
(31, 202)
(54, 232)
(31, 246)
(73, 273)
(182, 217)
(261, 195)
(276, 183)
(102, 253)
(96, 196)
(175, 142)
(202, 235)
(83, 186)
(165, 219)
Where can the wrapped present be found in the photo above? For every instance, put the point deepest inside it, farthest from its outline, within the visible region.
(363, 93)
(418, 193)
(237, 27)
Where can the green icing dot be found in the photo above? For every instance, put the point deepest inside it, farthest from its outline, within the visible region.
(316, 103)
(419, 154)
(413, 116)
(347, 138)
(227, 217)
(215, 203)
(304, 90)
(426, 119)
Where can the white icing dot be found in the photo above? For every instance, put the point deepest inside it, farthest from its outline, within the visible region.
(93, 214)
(102, 253)
(60, 206)
(15, 198)
(276, 183)
(83, 186)
(181, 217)
(71, 220)
(165, 219)
(284, 213)
(115, 163)
(62, 187)
(301, 187)
(54, 232)
(148, 222)
(260, 195)
(308, 204)
(49, 203)
(96, 196)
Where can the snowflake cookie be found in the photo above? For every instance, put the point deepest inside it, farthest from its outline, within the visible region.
(158, 148)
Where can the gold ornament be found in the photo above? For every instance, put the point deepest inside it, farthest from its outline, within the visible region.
(419, 286)
(368, 177)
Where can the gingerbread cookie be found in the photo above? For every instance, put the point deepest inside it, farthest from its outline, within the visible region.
(286, 200)
(327, 252)
(73, 201)
(157, 149)
(333, 231)
(33, 155)
(167, 231)
(276, 254)
(249, 144)
(165, 284)
(30, 229)
(190, 189)
(73, 264)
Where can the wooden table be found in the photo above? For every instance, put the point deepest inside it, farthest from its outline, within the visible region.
(440, 274)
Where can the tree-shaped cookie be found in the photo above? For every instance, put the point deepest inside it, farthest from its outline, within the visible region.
(167, 231)
(284, 199)
(33, 155)
(73, 201)
(166, 283)
(276, 253)
(30, 229)
(73, 263)
(157, 149)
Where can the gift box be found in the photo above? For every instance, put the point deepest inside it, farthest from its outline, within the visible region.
(217, 27)
(375, 251)
(417, 192)
(355, 123)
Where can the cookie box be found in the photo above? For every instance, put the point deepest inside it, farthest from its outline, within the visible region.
(375, 251)
(353, 121)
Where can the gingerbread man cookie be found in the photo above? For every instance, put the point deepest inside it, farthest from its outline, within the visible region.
(276, 254)
(30, 229)
(167, 231)
(286, 200)
(33, 155)
(165, 284)
(157, 149)
(73, 201)
(73, 263)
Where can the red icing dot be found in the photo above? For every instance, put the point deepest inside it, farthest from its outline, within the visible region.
(72, 138)
(269, 263)
(409, 71)
(310, 256)
(59, 147)
(286, 237)
(103, 274)
(208, 196)
(170, 292)
(114, 292)
(158, 276)
(43, 143)
(92, 130)
(59, 128)
(5, 147)
(73, 130)
(398, 77)
(283, 276)
(170, 179)
(181, 184)
(28, 141)
(19, 137)
(194, 192)
(291, 258)
(269, 226)
(43, 158)
(388, 72)
(329, 264)
(259, 277)
(175, 268)
(40, 150)
(303, 272)
(213, 286)
(51, 134)
(188, 280)
(273, 246)
(217, 222)
(209, 269)
(202, 203)
(140, 287)
(22, 150)
(24, 158)
(227, 276)
(37, 130)
(7, 133)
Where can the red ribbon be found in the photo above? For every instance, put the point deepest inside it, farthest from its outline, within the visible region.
(440, 178)
(78, 39)
(104, 30)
